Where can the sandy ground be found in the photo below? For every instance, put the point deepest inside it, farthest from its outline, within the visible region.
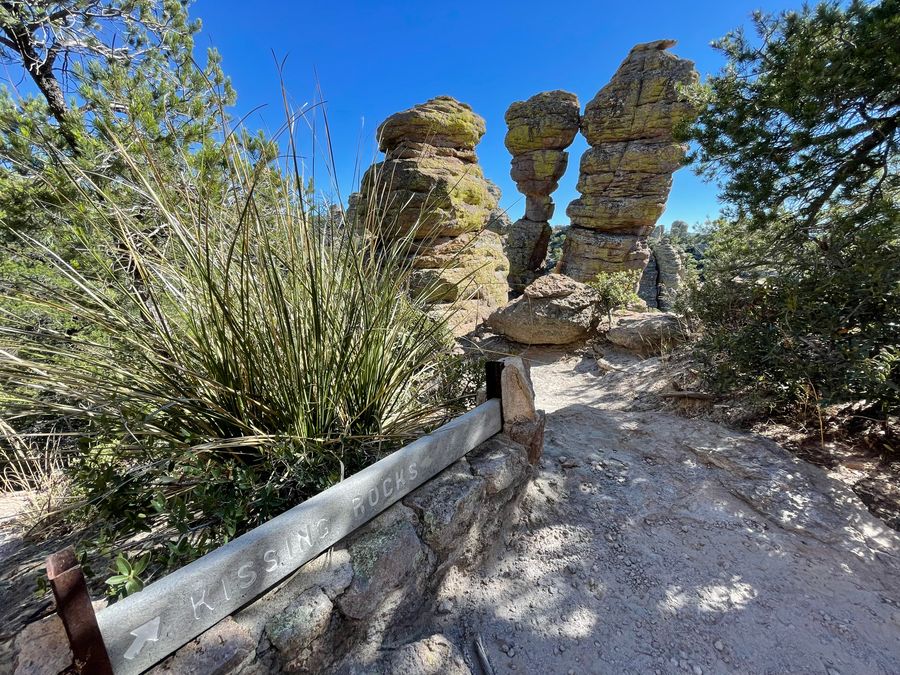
(651, 543)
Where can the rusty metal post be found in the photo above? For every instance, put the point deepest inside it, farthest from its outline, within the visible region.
(73, 605)
(493, 389)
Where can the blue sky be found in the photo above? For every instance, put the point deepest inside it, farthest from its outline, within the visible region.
(375, 58)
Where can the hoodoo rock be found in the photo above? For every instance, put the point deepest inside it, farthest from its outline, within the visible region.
(540, 129)
(626, 174)
(430, 188)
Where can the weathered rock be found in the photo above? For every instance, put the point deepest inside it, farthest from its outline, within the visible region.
(540, 129)
(648, 287)
(389, 562)
(434, 655)
(530, 435)
(42, 647)
(642, 100)
(553, 310)
(627, 173)
(646, 333)
(518, 391)
(546, 121)
(470, 266)
(526, 248)
(671, 270)
(441, 126)
(429, 187)
(498, 220)
(501, 462)
(663, 275)
(446, 506)
(586, 253)
(426, 197)
(303, 621)
(225, 648)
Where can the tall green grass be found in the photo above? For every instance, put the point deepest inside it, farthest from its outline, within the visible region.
(235, 352)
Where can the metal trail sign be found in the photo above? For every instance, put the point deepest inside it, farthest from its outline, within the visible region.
(146, 627)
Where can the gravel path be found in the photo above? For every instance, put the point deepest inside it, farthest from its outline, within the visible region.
(653, 543)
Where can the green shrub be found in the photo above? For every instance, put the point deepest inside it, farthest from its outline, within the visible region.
(229, 359)
(801, 294)
(806, 331)
(615, 290)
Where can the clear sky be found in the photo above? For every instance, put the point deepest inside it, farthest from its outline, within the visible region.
(374, 58)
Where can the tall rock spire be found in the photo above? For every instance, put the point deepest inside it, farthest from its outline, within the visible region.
(626, 174)
(540, 129)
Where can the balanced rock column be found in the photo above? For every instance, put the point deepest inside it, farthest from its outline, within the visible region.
(626, 174)
(540, 129)
(430, 187)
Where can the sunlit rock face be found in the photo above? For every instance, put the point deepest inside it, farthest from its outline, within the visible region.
(539, 131)
(431, 189)
(626, 174)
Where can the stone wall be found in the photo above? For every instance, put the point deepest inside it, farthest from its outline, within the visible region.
(333, 613)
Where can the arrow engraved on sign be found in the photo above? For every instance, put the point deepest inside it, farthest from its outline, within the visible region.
(148, 632)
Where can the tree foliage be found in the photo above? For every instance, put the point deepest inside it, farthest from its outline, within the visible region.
(802, 282)
(615, 290)
(99, 69)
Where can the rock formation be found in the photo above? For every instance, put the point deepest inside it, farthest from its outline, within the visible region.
(648, 287)
(662, 276)
(553, 310)
(498, 220)
(646, 334)
(540, 129)
(671, 269)
(626, 174)
(430, 187)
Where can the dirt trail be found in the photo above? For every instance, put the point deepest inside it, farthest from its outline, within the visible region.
(653, 543)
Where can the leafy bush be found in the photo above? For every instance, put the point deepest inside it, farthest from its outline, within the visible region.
(615, 290)
(230, 358)
(801, 292)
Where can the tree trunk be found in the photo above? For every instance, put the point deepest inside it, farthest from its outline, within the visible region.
(41, 72)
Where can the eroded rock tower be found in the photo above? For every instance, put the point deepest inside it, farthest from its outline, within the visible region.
(540, 129)
(430, 187)
(626, 174)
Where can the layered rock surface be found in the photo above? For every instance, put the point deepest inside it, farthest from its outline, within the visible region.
(554, 310)
(662, 276)
(431, 189)
(626, 174)
(540, 129)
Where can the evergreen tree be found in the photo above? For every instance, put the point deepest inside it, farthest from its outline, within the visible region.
(802, 283)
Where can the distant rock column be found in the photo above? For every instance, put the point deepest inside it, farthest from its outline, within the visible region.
(540, 129)
(671, 270)
(648, 287)
(430, 187)
(626, 174)
(662, 277)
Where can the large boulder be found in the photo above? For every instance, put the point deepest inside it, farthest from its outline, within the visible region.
(539, 131)
(647, 334)
(626, 174)
(553, 310)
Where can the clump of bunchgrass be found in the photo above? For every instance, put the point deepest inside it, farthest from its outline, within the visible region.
(236, 352)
